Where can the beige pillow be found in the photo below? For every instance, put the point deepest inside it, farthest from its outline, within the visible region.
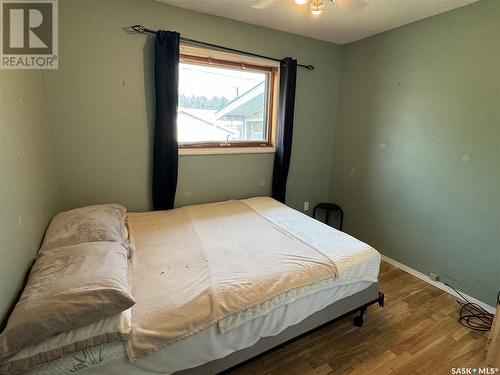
(69, 287)
(114, 328)
(103, 222)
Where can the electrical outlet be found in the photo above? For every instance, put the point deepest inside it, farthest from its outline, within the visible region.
(434, 276)
(306, 206)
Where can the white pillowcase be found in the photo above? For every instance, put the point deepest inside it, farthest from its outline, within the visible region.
(102, 222)
(68, 288)
(114, 328)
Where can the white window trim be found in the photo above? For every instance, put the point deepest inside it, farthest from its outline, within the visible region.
(204, 52)
(225, 151)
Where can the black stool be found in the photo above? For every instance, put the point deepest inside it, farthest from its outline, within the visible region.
(329, 207)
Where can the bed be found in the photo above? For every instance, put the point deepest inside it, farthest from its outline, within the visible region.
(228, 339)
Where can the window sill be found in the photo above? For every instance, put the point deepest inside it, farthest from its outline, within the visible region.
(225, 151)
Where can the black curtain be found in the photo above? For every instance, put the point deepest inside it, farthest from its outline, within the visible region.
(288, 78)
(165, 154)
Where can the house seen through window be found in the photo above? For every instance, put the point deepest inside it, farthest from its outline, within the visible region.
(223, 104)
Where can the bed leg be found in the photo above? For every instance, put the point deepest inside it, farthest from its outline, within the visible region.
(381, 299)
(358, 320)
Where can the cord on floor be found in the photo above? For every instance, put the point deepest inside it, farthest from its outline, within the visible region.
(472, 315)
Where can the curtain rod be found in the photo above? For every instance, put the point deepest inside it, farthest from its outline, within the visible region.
(141, 29)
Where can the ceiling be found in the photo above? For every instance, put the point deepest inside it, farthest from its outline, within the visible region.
(341, 22)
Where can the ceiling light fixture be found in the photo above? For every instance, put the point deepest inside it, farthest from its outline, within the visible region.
(315, 6)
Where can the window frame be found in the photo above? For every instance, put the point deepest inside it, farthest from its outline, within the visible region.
(206, 57)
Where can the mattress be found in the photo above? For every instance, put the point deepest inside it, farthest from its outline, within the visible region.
(358, 269)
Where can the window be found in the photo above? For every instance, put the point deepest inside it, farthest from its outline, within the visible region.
(224, 104)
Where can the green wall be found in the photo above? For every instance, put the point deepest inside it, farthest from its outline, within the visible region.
(417, 146)
(101, 112)
(414, 161)
(28, 190)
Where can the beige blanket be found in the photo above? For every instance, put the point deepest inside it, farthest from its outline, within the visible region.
(195, 265)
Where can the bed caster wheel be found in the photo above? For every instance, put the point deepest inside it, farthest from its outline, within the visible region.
(358, 321)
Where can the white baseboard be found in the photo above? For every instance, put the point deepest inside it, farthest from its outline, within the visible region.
(437, 284)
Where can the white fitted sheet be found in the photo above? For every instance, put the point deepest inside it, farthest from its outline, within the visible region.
(358, 266)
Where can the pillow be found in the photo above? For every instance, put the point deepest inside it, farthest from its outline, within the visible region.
(103, 222)
(114, 328)
(69, 287)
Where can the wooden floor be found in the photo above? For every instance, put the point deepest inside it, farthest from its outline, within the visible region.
(415, 333)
